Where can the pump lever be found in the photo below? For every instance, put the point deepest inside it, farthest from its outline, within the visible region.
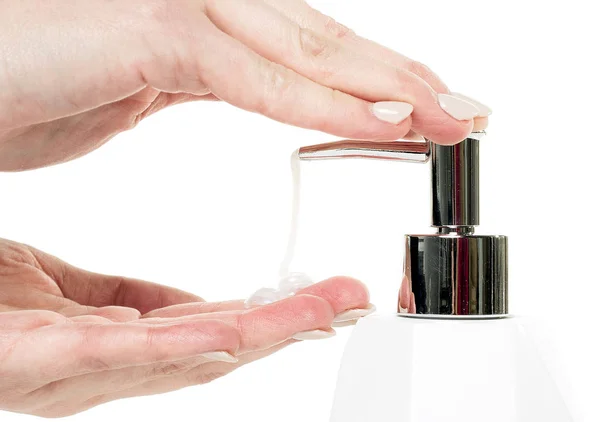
(410, 151)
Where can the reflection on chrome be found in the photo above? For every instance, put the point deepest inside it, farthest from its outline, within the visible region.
(410, 151)
(453, 272)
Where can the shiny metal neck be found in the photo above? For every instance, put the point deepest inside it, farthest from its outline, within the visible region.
(455, 184)
(453, 272)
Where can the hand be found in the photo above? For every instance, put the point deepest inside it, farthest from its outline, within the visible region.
(71, 339)
(74, 74)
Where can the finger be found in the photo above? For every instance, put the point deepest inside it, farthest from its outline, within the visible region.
(169, 377)
(85, 132)
(111, 313)
(99, 290)
(73, 310)
(67, 395)
(92, 319)
(117, 313)
(307, 17)
(481, 123)
(333, 65)
(201, 374)
(342, 294)
(266, 326)
(195, 308)
(238, 75)
(71, 349)
(19, 321)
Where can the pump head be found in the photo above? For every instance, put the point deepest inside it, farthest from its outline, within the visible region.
(453, 272)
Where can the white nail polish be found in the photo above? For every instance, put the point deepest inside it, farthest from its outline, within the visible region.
(392, 111)
(345, 323)
(220, 357)
(314, 335)
(354, 314)
(484, 110)
(294, 282)
(457, 107)
(263, 296)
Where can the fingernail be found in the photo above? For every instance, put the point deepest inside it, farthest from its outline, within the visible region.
(457, 107)
(345, 323)
(314, 335)
(484, 110)
(293, 283)
(392, 111)
(220, 357)
(353, 314)
(263, 296)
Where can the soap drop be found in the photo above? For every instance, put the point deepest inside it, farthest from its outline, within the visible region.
(263, 296)
(293, 282)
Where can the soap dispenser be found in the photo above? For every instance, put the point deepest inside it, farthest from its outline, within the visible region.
(451, 352)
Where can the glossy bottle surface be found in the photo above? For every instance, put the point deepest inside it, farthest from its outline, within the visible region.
(399, 369)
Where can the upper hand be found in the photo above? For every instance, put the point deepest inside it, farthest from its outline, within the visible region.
(71, 339)
(74, 74)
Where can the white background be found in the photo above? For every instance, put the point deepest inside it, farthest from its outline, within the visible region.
(198, 197)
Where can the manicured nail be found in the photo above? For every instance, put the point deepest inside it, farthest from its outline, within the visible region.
(484, 110)
(263, 296)
(220, 357)
(293, 283)
(392, 111)
(457, 107)
(314, 335)
(345, 323)
(353, 314)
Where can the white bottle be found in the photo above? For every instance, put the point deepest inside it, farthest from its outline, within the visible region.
(410, 369)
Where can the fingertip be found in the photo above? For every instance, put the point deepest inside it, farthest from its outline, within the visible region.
(314, 308)
(447, 131)
(480, 123)
(341, 293)
(272, 324)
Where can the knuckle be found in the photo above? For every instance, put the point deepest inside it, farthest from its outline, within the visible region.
(161, 14)
(168, 369)
(15, 253)
(317, 50)
(424, 72)
(227, 336)
(417, 68)
(137, 118)
(278, 83)
(406, 80)
(336, 29)
(204, 376)
(313, 308)
(327, 106)
(90, 359)
(313, 45)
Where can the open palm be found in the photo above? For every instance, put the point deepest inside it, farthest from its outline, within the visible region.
(71, 339)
